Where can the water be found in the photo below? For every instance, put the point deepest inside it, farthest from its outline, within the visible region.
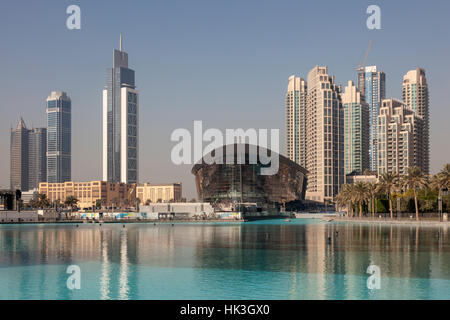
(257, 260)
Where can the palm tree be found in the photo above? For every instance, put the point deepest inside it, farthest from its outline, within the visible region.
(439, 183)
(42, 201)
(445, 173)
(345, 196)
(388, 181)
(71, 201)
(371, 193)
(360, 194)
(414, 179)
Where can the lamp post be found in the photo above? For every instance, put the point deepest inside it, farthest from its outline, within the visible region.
(440, 208)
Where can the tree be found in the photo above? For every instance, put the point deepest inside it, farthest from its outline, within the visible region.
(345, 196)
(193, 200)
(414, 179)
(71, 202)
(360, 195)
(388, 181)
(42, 201)
(371, 194)
(445, 172)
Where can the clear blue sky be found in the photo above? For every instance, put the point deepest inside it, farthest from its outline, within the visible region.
(224, 62)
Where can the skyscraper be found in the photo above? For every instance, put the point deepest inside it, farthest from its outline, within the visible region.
(400, 138)
(374, 91)
(415, 96)
(28, 158)
(356, 130)
(19, 157)
(59, 134)
(120, 122)
(296, 120)
(37, 149)
(324, 136)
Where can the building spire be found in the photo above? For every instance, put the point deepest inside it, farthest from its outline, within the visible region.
(120, 42)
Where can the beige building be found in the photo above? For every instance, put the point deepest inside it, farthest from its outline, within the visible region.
(152, 193)
(415, 96)
(324, 136)
(88, 193)
(296, 120)
(400, 138)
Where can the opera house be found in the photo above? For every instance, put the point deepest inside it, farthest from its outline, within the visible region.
(240, 185)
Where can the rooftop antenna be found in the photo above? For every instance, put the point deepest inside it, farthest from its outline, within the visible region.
(120, 42)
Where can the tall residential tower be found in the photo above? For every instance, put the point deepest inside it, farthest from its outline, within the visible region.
(356, 130)
(400, 138)
(59, 135)
(296, 120)
(415, 96)
(120, 122)
(324, 136)
(374, 92)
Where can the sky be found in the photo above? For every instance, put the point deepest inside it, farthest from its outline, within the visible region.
(226, 63)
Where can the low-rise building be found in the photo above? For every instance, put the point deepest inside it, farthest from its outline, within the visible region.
(153, 193)
(110, 194)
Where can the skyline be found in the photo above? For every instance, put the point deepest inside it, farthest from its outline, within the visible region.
(249, 66)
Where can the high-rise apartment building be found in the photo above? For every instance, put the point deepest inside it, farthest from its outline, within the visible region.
(296, 120)
(400, 138)
(415, 96)
(374, 91)
(59, 135)
(356, 130)
(28, 157)
(19, 157)
(120, 122)
(324, 136)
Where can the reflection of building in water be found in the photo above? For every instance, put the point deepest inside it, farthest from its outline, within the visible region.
(294, 260)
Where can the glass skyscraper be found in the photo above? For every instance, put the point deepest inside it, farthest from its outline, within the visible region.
(120, 122)
(28, 157)
(37, 148)
(356, 130)
(59, 134)
(374, 91)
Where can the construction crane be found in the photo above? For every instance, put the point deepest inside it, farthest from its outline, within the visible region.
(361, 68)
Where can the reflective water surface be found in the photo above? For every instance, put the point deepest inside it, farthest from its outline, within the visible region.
(301, 259)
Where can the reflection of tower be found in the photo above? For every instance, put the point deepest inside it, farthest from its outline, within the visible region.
(106, 268)
(123, 278)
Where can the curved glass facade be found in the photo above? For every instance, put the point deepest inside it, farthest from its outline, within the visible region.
(226, 184)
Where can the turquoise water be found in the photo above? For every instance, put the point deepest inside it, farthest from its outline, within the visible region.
(256, 260)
